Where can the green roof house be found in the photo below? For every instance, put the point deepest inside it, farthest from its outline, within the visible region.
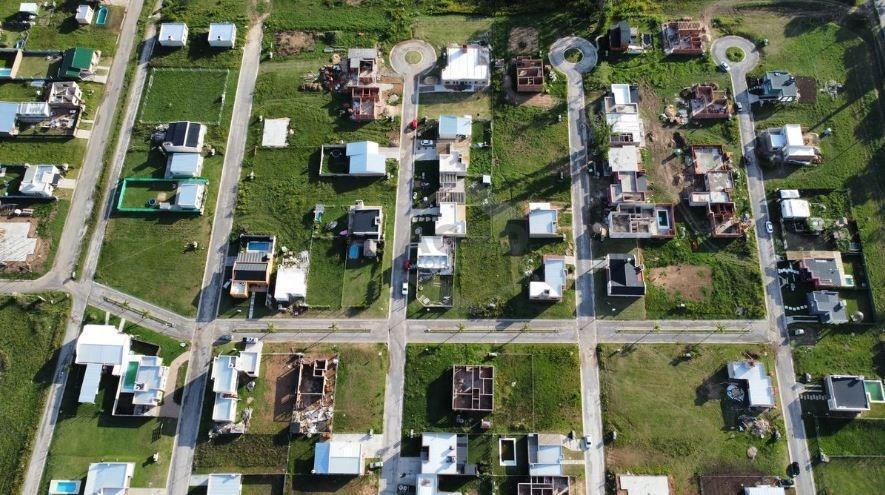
(78, 63)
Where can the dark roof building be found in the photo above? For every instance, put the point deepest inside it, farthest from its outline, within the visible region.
(846, 394)
(778, 86)
(184, 137)
(624, 276)
(365, 221)
(619, 37)
(827, 306)
(253, 265)
(77, 63)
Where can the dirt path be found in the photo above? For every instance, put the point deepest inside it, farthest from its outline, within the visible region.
(170, 409)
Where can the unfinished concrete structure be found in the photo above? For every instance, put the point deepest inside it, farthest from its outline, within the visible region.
(708, 102)
(315, 395)
(712, 188)
(544, 485)
(684, 37)
(529, 75)
(473, 388)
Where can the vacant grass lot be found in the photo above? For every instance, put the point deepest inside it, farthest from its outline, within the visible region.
(672, 417)
(854, 447)
(479, 105)
(184, 94)
(537, 388)
(32, 332)
(851, 351)
(442, 30)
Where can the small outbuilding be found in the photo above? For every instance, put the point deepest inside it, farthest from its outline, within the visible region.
(224, 484)
(275, 133)
(222, 34)
(184, 165)
(543, 221)
(335, 457)
(84, 14)
(173, 34)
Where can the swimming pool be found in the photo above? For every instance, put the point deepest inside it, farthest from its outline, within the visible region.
(102, 17)
(5, 72)
(353, 251)
(258, 246)
(131, 374)
(64, 487)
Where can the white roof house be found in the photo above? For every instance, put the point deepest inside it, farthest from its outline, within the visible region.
(795, 209)
(173, 34)
(789, 194)
(764, 490)
(624, 158)
(426, 484)
(760, 392)
(225, 409)
(148, 380)
(441, 453)
(644, 484)
(84, 14)
(626, 123)
(99, 346)
(109, 478)
(452, 220)
(224, 484)
(189, 196)
(249, 361)
(335, 457)
(553, 285)
(452, 126)
(434, 254)
(621, 94)
(28, 8)
(179, 165)
(224, 374)
(545, 455)
(291, 284)
(452, 162)
(467, 65)
(275, 133)
(39, 180)
(222, 34)
(364, 158)
(543, 220)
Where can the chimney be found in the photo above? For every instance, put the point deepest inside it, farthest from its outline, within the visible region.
(464, 48)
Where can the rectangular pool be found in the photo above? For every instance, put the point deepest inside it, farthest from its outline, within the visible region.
(259, 246)
(131, 374)
(64, 487)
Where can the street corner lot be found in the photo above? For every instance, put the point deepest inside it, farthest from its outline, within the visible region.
(671, 413)
(537, 388)
(192, 94)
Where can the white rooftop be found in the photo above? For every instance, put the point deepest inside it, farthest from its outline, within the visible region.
(793, 134)
(108, 478)
(225, 408)
(626, 123)
(644, 485)
(222, 31)
(28, 7)
(542, 219)
(225, 484)
(452, 126)
(764, 490)
(38, 180)
(365, 158)
(554, 280)
(452, 219)
(224, 374)
(759, 388)
(433, 253)
(789, 193)
(470, 63)
(190, 196)
(336, 457)
(249, 361)
(291, 283)
(795, 208)
(150, 380)
(623, 158)
(549, 456)
(175, 31)
(102, 344)
(442, 453)
(184, 165)
(451, 162)
(426, 484)
(621, 93)
(275, 133)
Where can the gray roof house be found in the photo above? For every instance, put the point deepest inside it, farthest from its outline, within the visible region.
(778, 86)
(180, 165)
(760, 392)
(846, 393)
(624, 276)
(827, 306)
(365, 221)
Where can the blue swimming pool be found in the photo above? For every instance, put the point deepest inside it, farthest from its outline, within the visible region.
(258, 246)
(64, 487)
(102, 17)
(354, 251)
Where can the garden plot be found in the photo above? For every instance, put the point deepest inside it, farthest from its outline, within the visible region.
(195, 95)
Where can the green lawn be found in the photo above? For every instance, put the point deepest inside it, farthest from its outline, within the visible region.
(847, 442)
(479, 105)
(537, 388)
(442, 30)
(184, 94)
(57, 30)
(33, 326)
(842, 351)
(672, 416)
(841, 476)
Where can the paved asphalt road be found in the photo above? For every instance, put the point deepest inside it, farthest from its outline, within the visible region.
(786, 375)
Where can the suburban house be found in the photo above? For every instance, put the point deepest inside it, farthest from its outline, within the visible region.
(623, 38)
(225, 377)
(28, 10)
(452, 219)
(39, 180)
(712, 187)
(453, 162)
(221, 34)
(224, 484)
(795, 209)
(249, 361)
(183, 137)
(78, 63)
(846, 394)
(84, 13)
(529, 75)
(453, 127)
(140, 390)
(545, 454)
(621, 108)
(66, 95)
(342, 458)
(827, 306)
(436, 255)
(708, 102)
(788, 144)
(365, 221)
(190, 196)
(777, 86)
(623, 274)
(253, 265)
(473, 388)
(543, 221)
(361, 70)
(183, 165)
(172, 35)
(362, 66)
(100, 347)
(764, 490)
(641, 221)
(684, 37)
(104, 478)
(56, 120)
(468, 68)
(364, 159)
(441, 454)
(629, 182)
(8, 118)
(290, 285)
(752, 375)
(631, 484)
(821, 269)
(552, 286)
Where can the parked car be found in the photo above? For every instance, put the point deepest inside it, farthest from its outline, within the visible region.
(798, 332)
(376, 465)
(426, 143)
(250, 340)
(769, 227)
(226, 338)
(405, 289)
(724, 66)
(587, 441)
(793, 469)
(786, 482)
(739, 106)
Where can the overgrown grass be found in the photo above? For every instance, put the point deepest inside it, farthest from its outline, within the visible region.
(850, 351)
(672, 415)
(184, 94)
(33, 326)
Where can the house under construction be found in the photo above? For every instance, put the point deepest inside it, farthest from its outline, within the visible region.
(544, 485)
(473, 388)
(315, 395)
(529, 75)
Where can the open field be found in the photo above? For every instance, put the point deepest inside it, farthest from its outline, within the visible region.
(672, 415)
(32, 331)
(442, 30)
(184, 94)
(855, 448)
(842, 351)
(478, 105)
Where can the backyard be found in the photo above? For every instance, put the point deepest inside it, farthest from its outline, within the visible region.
(672, 416)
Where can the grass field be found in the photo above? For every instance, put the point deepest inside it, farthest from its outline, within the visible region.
(442, 30)
(854, 446)
(57, 30)
(852, 351)
(184, 94)
(479, 105)
(537, 388)
(32, 331)
(672, 417)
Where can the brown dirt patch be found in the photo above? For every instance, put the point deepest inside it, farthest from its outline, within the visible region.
(523, 40)
(727, 484)
(282, 377)
(292, 42)
(688, 281)
(320, 484)
(627, 456)
(807, 89)
(540, 100)
(36, 260)
(667, 171)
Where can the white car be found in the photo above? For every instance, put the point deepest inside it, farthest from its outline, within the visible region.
(769, 227)
(724, 66)
(405, 289)
(426, 143)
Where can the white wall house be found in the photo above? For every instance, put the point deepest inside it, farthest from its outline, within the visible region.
(222, 34)
(173, 34)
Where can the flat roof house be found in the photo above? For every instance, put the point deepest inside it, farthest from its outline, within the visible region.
(453, 163)
(468, 68)
(787, 144)
(621, 108)
(8, 118)
(39, 180)
(249, 361)
(444, 453)
(778, 86)
(362, 66)
(641, 221)
(100, 346)
(452, 220)
(619, 37)
(65, 94)
(624, 276)
(455, 126)
(225, 377)
(365, 159)
(109, 478)
(473, 388)
(827, 306)
(183, 165)
(552, 287)
(253, 265)
(545, 454)
(822, 269)
(760, 392)
(222, 34)
(543, 221)
(84, 13)
(78, 63)
(142, 386)
(764, 490)
(795, 209)
(436, 254)
(224, 484)
(846, 394)
(365, 221)
(529, 75)
(683, 37)
(190, 196)
(172, 34)
(184, 137)
(291, 284)
(708, 102)
(334, 457)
